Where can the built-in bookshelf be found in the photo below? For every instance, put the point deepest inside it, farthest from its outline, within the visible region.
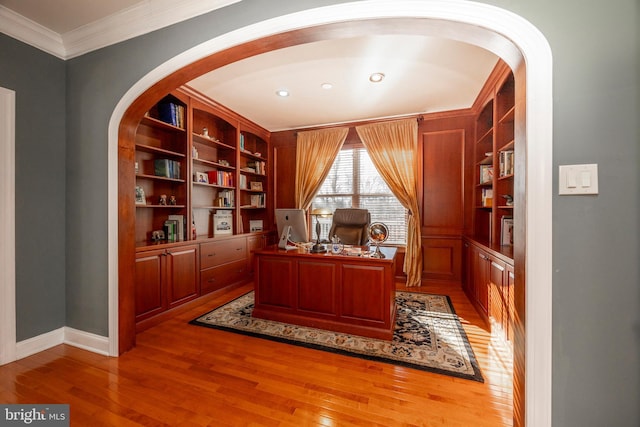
(161, 166)
(195, 159)
(494, 155)
(254, 182)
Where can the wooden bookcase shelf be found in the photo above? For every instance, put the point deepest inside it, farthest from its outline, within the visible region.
(494, 152)
(206, 151)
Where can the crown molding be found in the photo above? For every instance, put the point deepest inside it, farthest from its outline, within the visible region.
(134, 21)
(30, 32)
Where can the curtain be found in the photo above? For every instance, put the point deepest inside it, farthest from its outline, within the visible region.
(393, 148)
(316, 151)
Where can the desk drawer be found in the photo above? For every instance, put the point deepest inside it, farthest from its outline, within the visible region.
(215, 278)
(217, 253)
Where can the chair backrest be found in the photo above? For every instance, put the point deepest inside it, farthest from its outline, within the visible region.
(351, 225)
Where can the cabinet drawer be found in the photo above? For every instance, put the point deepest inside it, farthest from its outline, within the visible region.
(217, 253)
(215, 278)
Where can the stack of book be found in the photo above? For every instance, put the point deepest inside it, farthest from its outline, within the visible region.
(167, 168)
(506, 163)
(172, 113)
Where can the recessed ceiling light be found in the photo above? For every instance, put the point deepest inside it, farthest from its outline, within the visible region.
(376, 77)
(282, 92)
(326, 86)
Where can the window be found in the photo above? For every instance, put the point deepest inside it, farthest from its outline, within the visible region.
(353, 182)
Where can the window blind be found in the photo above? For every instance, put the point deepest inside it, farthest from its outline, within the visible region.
(353, 182)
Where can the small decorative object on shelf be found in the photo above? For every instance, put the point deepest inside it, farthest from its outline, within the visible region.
(378, 234)
(163, 200)
(173, 201)
(508, 199)
(205, 132)
(256, 185)
(157, 235)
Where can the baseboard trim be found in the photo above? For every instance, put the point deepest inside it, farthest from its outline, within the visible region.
(86, 341)
(65, 335)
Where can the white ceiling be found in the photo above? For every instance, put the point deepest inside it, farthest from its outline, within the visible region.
(422, 74)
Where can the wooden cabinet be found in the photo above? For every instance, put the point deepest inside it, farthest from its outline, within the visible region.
(223, 263)
(165, 278)
(489, 279)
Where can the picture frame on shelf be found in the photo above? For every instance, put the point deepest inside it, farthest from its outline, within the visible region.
(486, 174)
(140, 197)
(201, 177)
(255, 186)
(222, 223)
(255, 225)
(506, 231)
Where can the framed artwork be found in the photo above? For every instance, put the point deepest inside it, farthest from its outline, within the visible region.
(255, 225)
(256, 185)
(140, 197)
(506, 231)
(222, 224)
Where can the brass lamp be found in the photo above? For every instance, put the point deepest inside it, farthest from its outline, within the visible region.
(319, 213)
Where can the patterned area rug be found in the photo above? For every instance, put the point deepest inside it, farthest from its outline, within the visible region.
(427, 336)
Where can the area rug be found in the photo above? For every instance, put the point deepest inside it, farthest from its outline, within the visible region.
(427, 336)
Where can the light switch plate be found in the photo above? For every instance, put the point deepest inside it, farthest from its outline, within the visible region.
(578, 180)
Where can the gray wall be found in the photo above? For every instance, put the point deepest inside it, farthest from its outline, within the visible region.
(39, 82)
(596, 282)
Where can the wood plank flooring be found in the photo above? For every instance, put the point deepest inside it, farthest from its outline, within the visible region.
(183, 375)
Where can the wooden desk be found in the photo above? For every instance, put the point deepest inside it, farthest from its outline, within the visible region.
(341, 293)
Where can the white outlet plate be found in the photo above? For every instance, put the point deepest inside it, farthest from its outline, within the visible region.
(578, 180)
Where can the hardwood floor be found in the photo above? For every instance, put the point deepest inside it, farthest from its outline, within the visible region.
(183, 375)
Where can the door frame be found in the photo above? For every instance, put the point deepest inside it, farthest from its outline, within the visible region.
(508, 35)
(7, 226)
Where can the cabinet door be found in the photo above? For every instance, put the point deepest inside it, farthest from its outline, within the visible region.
(149, 286)
(497, 306)
(481, 278)
(182, 274)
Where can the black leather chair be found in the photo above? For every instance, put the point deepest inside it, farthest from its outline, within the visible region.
(351, 225)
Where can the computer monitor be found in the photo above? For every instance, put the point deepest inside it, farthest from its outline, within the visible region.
(297, 220)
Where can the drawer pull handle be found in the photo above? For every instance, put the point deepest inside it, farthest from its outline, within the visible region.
(211, 280)
(213, 254)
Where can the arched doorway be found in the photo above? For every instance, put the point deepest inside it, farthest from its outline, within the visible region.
(509, 36)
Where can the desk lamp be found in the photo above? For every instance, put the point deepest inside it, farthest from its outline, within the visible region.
(319, 213)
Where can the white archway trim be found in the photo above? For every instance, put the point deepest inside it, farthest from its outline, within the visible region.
(7, 226)
(504, 33)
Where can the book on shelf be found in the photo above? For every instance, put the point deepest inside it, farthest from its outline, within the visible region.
(171, 230)
(243, 182)
(506, 163)
(167, 168)
(225, 199)
(487, 197)
(258, 166)
(506, 231)
(222, 178)
(171, 113)
(257, 200)
(180, 221)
